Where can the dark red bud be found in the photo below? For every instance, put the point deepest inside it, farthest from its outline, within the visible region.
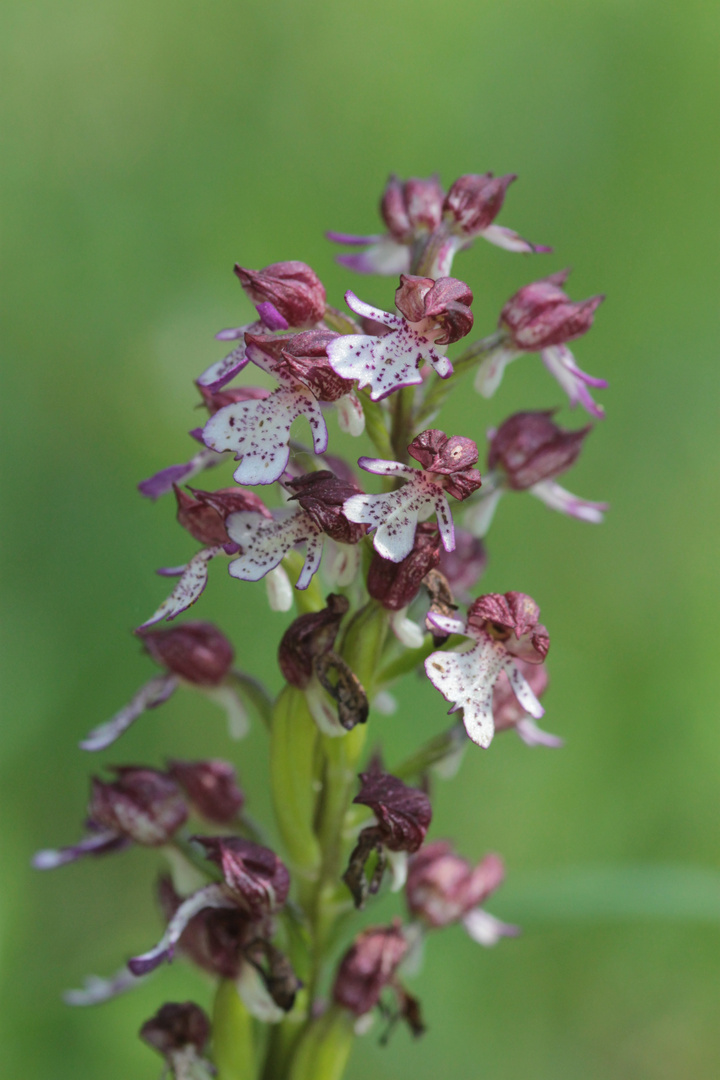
(292, 287)
(403, 813)
(322, 495)
(256, 876)
(396, 585)
(442, 887)
(474, 201)
(411, 208)
(530, 447)
(410, 296)
(541, 314)
(368, 967)
(175, 1027)
(211, 786)
(203, 513)
(309, 637)
(306, 358)
(445, 301)
(197, 651)
(143, 804)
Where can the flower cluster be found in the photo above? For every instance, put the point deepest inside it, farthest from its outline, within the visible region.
(385, 584)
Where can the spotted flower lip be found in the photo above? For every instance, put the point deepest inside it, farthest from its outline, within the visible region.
(395, 515)
(542, 318)
(392, 361)
(258, 432)
(443, 888)
(504, 629)
(264, 544)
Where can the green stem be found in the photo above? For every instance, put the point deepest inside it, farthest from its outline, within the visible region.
(325, 1047)
(233, 1036)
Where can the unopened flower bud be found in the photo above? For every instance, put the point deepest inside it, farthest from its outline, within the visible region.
(308, 637)
(175, 1027)
(541, 314)
(306, 358)
(474, 201)
(403, 813)
(411, 207)
(196, 651)
(530, 447)
(442, 887)
(321, 495)
(293, 288)
(211, 786)
(143, 804)
(257, 878)
(203, 513)
(396, 584)
(445, 301)
(512, 619)
(369, 967)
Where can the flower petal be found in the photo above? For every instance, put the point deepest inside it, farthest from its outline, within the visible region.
(237, 717)
(259, 432)
(511, 241)
(560, 362)
(489, 375)
(532, 735)
(98, 843)
(222, 371)
(351, 417)
(369, 312)
(557, 498)
(162, 482)
(149, 696)
(521, 688)
(279, 589)
(188, 589)
(395, 515)
(96, 990)
(212, 896)
(486, 929)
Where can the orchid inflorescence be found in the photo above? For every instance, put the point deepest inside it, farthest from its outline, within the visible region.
(275, 933)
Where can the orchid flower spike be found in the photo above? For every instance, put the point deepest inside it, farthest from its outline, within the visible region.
(542, 318)
(433, 314)
(503, 629)
(446, 467)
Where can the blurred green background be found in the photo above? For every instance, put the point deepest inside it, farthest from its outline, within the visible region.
(147, 146)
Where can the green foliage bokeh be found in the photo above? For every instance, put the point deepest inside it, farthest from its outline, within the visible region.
(148, 146)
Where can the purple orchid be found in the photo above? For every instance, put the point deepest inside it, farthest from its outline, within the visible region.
(443, 888)
(445, 467)
(503, 629)
(542, 318)
(432, 315)
(195, 654)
